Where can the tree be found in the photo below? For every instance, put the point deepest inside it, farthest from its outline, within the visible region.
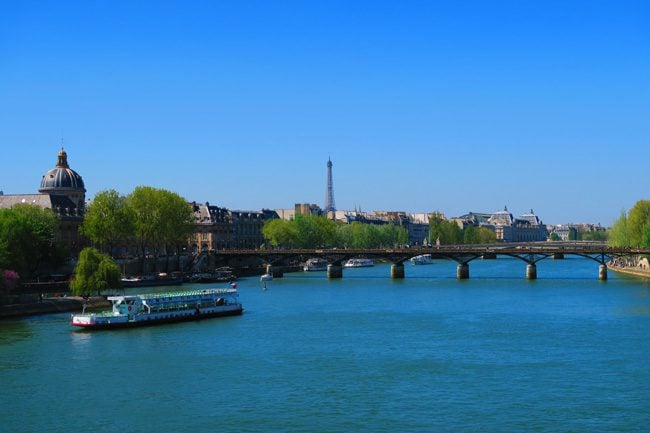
(453, 234)
(471, 235)
(344, 236)
(486, 236)
(391, 235)
(310, 231)
(108, 220)
(145, 211)
(555, 237)
(638, 218)
(436, 227)
(27, 235)
(619, 234)
(177, 221)
(327, 229)
(279, 232)
(360, 235)
(443, 231)
(478, 235)
(95, 272)
(595, 235)
(645, 242)
(155, 219)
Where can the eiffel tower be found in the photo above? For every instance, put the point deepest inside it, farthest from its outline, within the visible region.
(329, 198)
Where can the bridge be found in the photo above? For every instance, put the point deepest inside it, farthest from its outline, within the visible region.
(529, 253)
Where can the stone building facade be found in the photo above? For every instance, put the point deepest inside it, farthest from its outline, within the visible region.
(62, 189)
(218, 228)
(526, 228)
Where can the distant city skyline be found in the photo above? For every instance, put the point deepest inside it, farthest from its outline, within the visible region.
(421, 106)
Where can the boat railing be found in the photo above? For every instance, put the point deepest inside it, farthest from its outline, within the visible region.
(205, 293)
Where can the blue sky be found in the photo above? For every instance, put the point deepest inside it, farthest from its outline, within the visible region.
(453, 106)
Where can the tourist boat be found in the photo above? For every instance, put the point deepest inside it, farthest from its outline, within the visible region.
(161, 279)
(359, 263)
(155, 308)
(315, 265)
(422, 259)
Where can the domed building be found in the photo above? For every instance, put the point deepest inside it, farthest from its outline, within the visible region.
(62, 190)
(526, 228)
(63, 182)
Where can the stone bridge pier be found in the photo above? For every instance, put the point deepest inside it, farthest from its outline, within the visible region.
(462, 271)
(397, 271)
(531, 271)
(602, 272)
(334, 271)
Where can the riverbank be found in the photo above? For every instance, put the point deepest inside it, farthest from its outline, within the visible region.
(52, 305)
(637, 271)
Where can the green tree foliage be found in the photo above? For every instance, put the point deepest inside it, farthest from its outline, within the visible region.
(478, 235)
(27, 236)
(279, 233)
(358, 235)
(177, 220)
(5, 256)
(344, 236)
(471, 235)
(436, 227)
(638, 219)
(161, 219)
(555, 237)
(95, 272)
(619, 234)
(443, 231)
(154, 219)
(108, 220)
(573, 234)
(630, 229)
(145, 211)
(308, 231)
(391, 235)
(645, 243)
(599, 236)
(487, 236)
(327, 229)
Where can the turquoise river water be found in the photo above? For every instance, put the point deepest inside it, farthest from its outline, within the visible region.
(496, 353)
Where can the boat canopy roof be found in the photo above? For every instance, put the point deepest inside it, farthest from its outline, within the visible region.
(174, 294)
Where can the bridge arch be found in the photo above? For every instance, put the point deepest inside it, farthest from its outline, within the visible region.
(531, 253)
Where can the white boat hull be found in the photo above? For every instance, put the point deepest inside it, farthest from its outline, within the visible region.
(359, 263)
(151, 309)
(153, 318)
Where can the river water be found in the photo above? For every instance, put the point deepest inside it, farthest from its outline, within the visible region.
(495, 353)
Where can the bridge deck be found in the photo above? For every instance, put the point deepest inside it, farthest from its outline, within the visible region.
(531, 253)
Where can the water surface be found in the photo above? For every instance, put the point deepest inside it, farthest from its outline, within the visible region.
(496, 353)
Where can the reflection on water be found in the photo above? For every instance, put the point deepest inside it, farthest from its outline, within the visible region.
(81, 344)
(80, 338)
(638, 310)
(14, 330)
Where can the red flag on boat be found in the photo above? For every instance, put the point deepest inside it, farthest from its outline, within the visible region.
(233, 285)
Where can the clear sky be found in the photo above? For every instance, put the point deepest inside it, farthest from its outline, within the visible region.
(453, 106)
